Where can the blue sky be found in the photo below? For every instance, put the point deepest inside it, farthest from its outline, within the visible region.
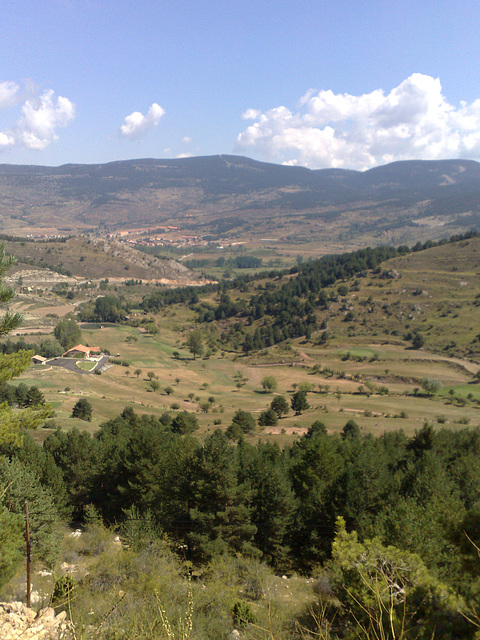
(313, 83)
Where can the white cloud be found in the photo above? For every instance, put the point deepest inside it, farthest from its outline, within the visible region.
(8, 94)
(136, 123)
(187, 140)
(414, 120)
(41, 117)
(36, 129)
(184, 155)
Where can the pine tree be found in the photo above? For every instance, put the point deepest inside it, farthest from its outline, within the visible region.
(280, 405)
(299, 402)
(220, 519)
(272, 502)
(22, 485)
(82, 410)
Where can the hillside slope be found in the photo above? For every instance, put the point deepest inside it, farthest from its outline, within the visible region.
(369, 295)
(98, 259)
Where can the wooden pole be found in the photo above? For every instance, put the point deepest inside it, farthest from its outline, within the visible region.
(27, 537)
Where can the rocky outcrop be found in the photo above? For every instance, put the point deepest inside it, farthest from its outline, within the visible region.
(18, 621)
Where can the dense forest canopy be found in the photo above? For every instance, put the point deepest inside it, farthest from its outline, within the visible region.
(412, 500)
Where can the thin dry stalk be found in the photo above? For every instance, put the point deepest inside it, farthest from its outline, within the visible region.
(185, 624)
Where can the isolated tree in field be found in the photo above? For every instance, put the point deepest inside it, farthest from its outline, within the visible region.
(299, 402)
(280, 405)
(269, 384)
(195, 343)
(431, 385)
(68, 333)
(151, 375)
(168, 390)
(205, 407)
(82, 410)
(154, 385)
(138, 372)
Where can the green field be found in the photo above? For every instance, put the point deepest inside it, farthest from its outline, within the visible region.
(351, 389)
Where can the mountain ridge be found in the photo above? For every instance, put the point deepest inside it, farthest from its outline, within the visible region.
(205, 189)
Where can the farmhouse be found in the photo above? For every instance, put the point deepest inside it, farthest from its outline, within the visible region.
(82, 351)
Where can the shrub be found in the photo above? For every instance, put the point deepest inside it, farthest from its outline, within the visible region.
(242, 614)
(62, 593)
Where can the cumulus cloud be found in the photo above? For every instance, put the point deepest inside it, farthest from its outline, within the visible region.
(36, 129)
(136, 124)
(414, 120)
(41, 117)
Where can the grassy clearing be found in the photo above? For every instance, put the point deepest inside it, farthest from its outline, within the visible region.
(85, 365)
